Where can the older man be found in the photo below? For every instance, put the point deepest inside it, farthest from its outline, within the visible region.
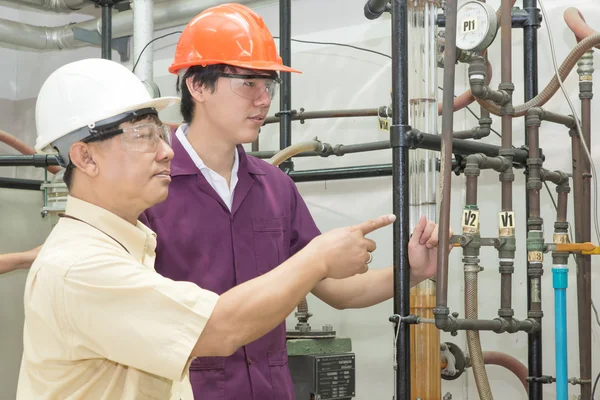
(100, 323)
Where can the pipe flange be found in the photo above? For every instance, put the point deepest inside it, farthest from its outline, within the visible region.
(563, 188)
(505, 269)
(561, 227)
(507, 313)
(460, 361)
(534, 184)
(534, 221)
(535, 270)
(506, 87)
(534, 162)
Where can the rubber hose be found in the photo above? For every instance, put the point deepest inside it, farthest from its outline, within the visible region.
(549, 91)
(21, 147)
(510, 363)
(577, 24)
(290, 151)
(473, 342)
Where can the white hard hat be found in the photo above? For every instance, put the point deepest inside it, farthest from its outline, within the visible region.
(81, 93)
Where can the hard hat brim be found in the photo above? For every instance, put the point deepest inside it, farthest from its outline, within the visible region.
(258, 66)
(158, 104)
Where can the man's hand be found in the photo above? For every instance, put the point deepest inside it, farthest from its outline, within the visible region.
(345, 251)
(422, 250)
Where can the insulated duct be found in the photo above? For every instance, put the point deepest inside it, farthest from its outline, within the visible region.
(59, 6)
(165, 15)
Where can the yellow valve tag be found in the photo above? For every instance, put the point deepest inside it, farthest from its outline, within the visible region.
(383, 124)
(561, 238)
(535, 256)
(506, 223)
(470, 221)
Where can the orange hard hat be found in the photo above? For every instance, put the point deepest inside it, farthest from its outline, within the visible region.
(230, 34)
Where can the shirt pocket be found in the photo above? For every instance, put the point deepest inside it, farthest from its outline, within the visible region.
(269, 243)
(281, 379)
(207, 377)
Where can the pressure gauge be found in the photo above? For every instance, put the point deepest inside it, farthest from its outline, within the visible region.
(477, 25)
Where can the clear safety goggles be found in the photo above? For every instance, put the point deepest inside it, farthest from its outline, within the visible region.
(252, 86)
(143, 138)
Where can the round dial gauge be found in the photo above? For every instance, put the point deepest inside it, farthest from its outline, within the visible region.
(477, 25)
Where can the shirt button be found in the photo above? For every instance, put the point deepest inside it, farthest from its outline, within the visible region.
(249, 361)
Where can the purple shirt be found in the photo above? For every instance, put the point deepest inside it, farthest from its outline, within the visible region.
(201, 241)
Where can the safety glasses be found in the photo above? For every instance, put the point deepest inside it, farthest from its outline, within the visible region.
(251, 86)
(143, 138)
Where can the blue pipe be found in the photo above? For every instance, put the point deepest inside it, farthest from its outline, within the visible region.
(560, 284)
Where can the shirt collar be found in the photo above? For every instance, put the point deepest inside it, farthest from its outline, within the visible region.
(183, 163)
(133, 238)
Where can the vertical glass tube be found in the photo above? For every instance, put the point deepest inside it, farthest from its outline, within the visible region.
(422, 61)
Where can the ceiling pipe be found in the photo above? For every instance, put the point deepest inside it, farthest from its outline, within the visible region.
(165, 15)
(59, 6)
(143, 49)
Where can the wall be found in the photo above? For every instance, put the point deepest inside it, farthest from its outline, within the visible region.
(340, 78)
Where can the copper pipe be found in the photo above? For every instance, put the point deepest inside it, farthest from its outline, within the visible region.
(584, 282)
(441, 311)
(508, 362)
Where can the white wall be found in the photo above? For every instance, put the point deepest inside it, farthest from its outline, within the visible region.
(338, 78)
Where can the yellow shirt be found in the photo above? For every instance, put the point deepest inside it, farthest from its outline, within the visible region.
(100, 323)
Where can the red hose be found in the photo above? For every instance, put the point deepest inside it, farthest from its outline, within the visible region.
(577, 24)
(508, 362)
(22, 148)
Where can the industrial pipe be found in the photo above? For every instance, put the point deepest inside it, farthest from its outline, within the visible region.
(560, 280)
(22, 184)
(400, 195)
(508, 362)
(471, 231)
(106, 34)
(530, 58)
(285, 51)
(441, 311)
(165, 15)
(584, 280)
(21, 147)
(374, 8)
(535, 245)
(58, 6)
(143, 33)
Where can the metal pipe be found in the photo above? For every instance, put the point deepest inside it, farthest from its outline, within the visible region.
(143, 33)
(422, 141)
(560, 282)
(285, 51)
(471, 231)
(374, 8)
(584, 281)
(400, 162)
(302, 115)
(530, 61)
(58, 6)
(22, 184)
(35, 160)
(441, 311)
(165, 15)
(331, 174)
(106, 31)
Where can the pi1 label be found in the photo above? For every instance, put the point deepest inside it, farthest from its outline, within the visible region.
(468, 25)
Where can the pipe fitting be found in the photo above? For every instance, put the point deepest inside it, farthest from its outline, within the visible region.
(557, 177)
(585, 66)
(506, 247)
(442, 318)
(534, 117)
(585, 90)
(535, 221)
